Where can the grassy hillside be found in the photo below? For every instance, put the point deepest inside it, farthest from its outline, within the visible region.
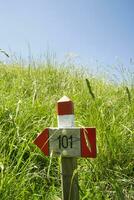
(27, 105)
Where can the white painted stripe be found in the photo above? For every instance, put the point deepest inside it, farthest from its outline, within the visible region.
(65, 121)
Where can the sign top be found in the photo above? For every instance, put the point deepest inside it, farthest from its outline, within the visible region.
(64, 99)
(65, 106)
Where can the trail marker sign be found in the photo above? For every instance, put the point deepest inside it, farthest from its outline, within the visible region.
(68, 142)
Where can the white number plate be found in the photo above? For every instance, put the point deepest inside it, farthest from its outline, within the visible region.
(65, 142)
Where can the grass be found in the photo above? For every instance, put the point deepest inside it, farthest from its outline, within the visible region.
(27, 105)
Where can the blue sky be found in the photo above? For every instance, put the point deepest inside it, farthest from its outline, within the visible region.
(89, 30)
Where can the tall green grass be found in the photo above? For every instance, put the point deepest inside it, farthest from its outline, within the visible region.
(27, 105)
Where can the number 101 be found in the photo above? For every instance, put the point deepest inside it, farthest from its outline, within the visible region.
(65, 142)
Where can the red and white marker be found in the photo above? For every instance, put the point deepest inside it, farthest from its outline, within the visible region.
(65, 112)
(66, 141)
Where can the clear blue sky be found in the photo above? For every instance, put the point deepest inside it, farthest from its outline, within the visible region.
(100, 30)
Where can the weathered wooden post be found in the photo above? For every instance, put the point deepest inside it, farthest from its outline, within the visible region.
(70, 191)
(69, 143)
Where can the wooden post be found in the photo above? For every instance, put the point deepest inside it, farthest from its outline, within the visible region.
(69, 177)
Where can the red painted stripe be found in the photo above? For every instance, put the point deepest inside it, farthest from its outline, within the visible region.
(42, 141)
(65, 106)
(87, 151)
